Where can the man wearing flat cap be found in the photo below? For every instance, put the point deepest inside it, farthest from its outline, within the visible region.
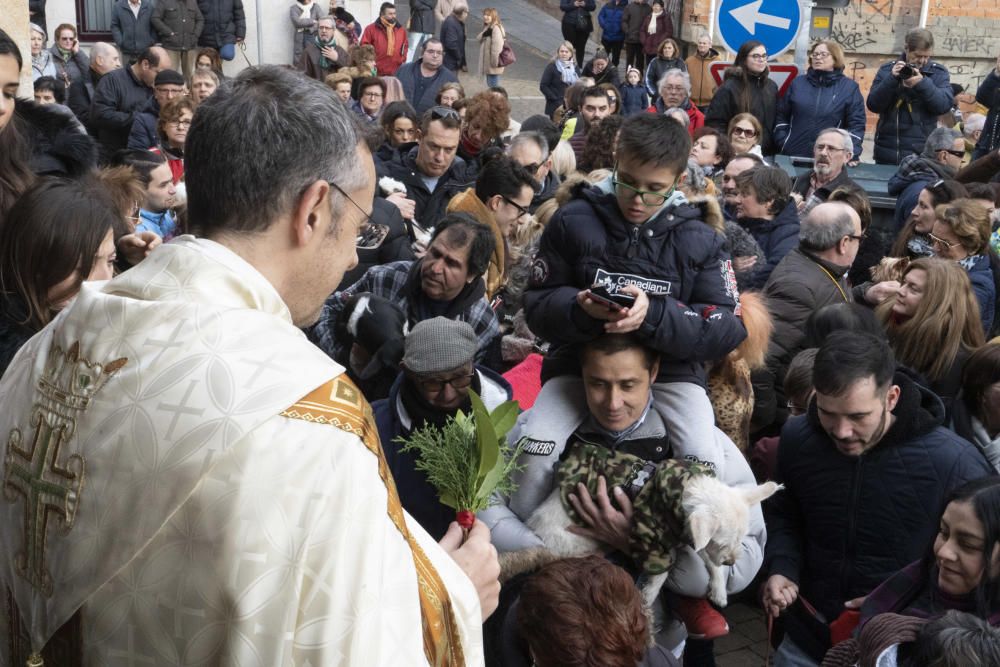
(438, 370)
(168, 85)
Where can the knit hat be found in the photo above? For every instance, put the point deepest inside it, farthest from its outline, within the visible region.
(168, 76)
(439, 344)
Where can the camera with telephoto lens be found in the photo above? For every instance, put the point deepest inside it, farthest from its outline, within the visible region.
(907, 71)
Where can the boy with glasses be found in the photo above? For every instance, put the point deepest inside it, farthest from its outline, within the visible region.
(636, 237)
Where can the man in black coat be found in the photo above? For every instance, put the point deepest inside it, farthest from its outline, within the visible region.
(225, 23)
(123, 93)
(866, 472)
(430, 170)
(104, 58)
(453, 39)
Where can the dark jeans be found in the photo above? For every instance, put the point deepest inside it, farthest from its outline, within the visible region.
(579, 41)
(634, 57)
(614, 50)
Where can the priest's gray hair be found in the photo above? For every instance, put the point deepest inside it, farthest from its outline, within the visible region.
(258, 142)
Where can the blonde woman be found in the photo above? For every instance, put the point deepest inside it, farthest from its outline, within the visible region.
(561, 73)
(961, 233)
(933, 323)
(744, 132)
(490, 44)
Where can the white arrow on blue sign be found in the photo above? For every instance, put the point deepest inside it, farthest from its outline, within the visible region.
(775, 23)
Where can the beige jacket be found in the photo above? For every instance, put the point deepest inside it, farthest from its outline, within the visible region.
(489, 51)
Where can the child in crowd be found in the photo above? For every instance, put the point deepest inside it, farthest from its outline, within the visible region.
(635, 99)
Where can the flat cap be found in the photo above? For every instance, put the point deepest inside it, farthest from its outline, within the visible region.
(439, 344)
(168, 76)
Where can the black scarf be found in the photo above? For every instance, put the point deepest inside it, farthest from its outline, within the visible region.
(423, 413)
(420, 307)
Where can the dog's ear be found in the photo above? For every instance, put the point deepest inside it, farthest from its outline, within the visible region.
(757, 494)
(703, 525)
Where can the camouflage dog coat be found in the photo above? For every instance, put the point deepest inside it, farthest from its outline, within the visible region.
(658, 522)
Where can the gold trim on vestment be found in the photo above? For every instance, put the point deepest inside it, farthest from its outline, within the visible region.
(340, 403)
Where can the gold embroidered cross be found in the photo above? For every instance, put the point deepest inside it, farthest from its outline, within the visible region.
(49, 488)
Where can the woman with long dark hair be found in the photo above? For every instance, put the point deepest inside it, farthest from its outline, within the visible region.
(15, 175)
(746, 89)
(57, 235)
(914, 239)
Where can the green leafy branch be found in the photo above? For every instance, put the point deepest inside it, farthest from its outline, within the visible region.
(468, 459)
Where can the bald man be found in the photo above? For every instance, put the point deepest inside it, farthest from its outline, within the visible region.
(104, 58)
(121, 94)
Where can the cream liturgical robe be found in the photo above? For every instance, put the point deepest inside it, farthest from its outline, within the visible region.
(186, 480)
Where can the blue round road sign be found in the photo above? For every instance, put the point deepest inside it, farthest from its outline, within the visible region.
(775, 23)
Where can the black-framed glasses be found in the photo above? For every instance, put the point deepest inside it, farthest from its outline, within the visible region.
(436, 386)
(439, 112)
(858, 237)
(648, 198)
(368, 216)
(522, 211)
(940, 241)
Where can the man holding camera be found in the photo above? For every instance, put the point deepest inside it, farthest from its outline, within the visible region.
(908, 95)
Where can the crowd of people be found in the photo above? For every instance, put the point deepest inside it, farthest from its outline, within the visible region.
(629, 266)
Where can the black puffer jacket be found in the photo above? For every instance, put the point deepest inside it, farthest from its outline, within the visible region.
(727, 103)
(430, 206)
(674, 257)
(225, 22)
(844, 524)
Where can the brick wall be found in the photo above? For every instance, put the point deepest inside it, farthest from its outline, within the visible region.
(966, 34)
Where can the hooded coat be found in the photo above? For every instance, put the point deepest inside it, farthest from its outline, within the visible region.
(844, 524)
(728, 102)
(816, 101)
(907, 115)
(610, 20)
(674, 257)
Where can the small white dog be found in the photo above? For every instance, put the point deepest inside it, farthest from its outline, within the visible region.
(716, 519)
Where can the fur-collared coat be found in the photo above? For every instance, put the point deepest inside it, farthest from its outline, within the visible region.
(59, 146)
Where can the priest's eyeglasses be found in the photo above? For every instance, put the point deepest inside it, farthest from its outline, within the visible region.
(368, 216)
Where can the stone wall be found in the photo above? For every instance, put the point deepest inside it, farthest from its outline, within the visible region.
(14, 21)
(966, 33)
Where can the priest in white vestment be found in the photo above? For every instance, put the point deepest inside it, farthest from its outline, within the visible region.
(185, 479)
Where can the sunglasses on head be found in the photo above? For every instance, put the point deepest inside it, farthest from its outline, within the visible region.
(437, 113)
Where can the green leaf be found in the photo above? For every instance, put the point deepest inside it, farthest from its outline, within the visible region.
(448, 499)
(504, 417)
(486, 439)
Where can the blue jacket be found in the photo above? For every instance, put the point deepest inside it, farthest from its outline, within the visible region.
(907, 115)
(844, 524)
(161, 224)
(988, 94)
(674, 257)
(983, 285)
(634, 99)
(776, 238)
(407, 75)
(610, 20)
(416, 494)
(143, 134)
(814, 102)
(130, 33)
(915, 173)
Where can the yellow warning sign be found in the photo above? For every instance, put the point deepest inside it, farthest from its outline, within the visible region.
(821, 22)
